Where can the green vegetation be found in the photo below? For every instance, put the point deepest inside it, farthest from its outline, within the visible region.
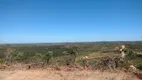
(71, 53)
(139, 66)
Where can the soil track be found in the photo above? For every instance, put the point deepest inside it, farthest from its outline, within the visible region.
(64, 75)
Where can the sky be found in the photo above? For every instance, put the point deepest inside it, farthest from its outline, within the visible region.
(41, 21)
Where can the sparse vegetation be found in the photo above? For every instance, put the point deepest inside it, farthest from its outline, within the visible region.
(68, 54)
(71, 56)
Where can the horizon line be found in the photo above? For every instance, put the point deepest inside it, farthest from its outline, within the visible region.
(71, 42)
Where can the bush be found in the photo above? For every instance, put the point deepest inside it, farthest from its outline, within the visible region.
(139, 66)
(1, 61)
(47, 56)
(139, 55)
(131, 55)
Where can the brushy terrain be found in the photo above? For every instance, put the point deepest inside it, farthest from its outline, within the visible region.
(74, 61)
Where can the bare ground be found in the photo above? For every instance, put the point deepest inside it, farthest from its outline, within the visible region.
(48, 74)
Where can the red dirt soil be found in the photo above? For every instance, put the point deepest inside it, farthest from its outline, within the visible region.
(50, 74)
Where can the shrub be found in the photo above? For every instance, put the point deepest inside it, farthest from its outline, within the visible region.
(1, 60)
(47, 56)
(139, 66)
(139, 55)
(131, 55)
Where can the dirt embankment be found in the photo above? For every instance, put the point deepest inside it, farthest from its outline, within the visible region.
(64, 75)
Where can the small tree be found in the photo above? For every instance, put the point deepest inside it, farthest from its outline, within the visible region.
(131, 55)
(71, 55)
(19, 56)
(1, 60)
(38, 57)
(47, 56)
(8, 54)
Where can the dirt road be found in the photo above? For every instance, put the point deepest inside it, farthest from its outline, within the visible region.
(64, 75)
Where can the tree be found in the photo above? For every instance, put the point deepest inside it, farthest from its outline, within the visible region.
(47, 56)
(19, 56)
(8, 54)
(71, 54)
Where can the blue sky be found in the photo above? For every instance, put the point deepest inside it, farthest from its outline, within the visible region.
(37, 21)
